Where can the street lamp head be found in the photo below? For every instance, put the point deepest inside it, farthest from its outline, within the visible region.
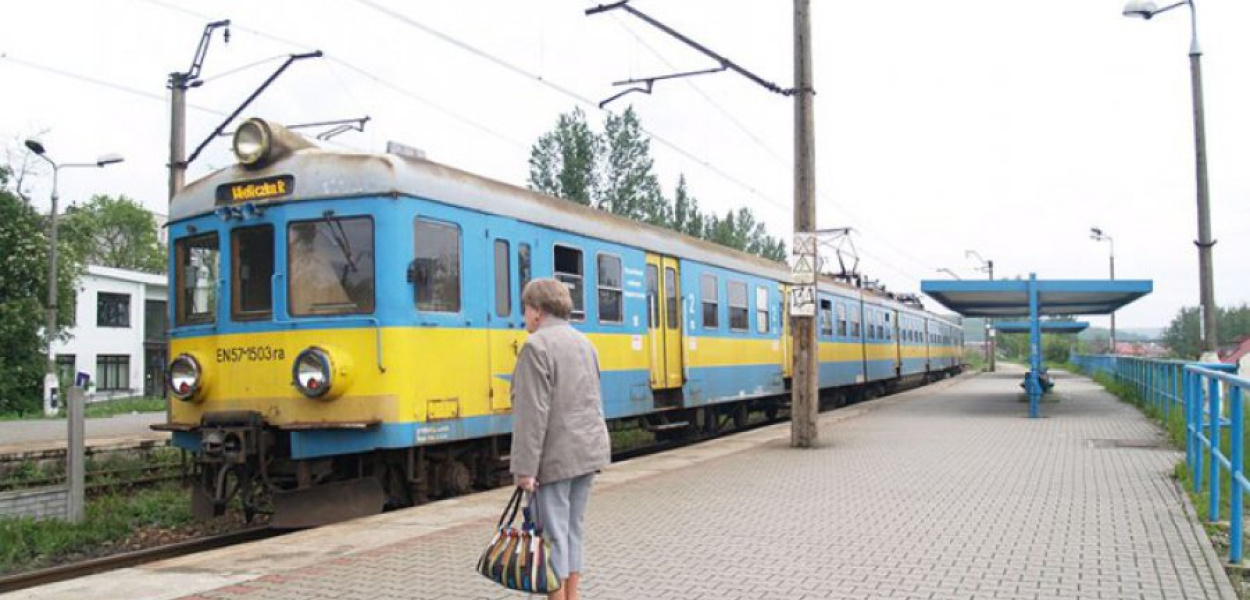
(111, 158)
(35, 147)
(1095, 231)
(1138, 8)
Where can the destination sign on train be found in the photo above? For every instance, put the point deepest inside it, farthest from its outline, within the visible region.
(256, 189)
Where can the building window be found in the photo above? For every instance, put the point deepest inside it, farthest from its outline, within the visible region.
(826, 317)
(155, 320)
(762, 320)
(330, 262)
(711, 302)
(66, 370)
(611, 294)
(195, 277)
(112, 310)
(739, 312)
(503, 279)
(112, 372)
(251, 257)
(842, 329)
(569, 271)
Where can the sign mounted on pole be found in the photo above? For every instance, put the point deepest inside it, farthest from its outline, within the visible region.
(804, 244)
(803, 301)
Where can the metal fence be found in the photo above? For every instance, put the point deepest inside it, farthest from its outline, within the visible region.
(1212, 400)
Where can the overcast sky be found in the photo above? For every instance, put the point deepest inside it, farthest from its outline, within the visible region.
(1008, 128)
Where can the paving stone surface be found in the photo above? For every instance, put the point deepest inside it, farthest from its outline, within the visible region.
(949, 495)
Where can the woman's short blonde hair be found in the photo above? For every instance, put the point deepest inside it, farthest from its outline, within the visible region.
(549, 296)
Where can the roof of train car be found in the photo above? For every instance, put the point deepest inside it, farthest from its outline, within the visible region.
(320, 173)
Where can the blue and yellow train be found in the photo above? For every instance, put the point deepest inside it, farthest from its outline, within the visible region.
(345, 326)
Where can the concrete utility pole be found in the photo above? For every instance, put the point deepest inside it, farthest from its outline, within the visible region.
(991, 339)
(178, 85)
(805, 398)
(1206, 279)
(1099, 235)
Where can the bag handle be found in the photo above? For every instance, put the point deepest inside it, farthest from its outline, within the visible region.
(509, 511)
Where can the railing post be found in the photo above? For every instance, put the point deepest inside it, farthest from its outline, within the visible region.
(1213, 438)
(1187, 405)
(1235, 450)
(1195, 384)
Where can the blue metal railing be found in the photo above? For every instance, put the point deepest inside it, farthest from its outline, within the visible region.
(1211, 398)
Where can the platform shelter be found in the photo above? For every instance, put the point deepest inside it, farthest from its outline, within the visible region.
(1033, 299)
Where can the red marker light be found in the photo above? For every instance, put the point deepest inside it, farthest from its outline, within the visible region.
(183, 388)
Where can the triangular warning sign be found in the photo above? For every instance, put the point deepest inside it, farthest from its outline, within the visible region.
(803, 266)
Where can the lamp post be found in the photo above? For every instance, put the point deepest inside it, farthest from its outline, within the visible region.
(1147, 10)
(1098, 235)
(49, 379)
(990, 343)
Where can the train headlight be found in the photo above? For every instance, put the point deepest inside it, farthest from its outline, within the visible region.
(185, 377)
(252, 142)
(313, 372)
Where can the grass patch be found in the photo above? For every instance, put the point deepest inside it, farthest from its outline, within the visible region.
(124, 406)
(27, 544)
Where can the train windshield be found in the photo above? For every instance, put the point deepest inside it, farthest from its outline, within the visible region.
(330, 266)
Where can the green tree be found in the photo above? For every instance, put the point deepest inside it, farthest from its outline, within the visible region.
(114, 232)
(1183, 335)
(630, 187)
(614, 171)
(23, 288)
(563, 162)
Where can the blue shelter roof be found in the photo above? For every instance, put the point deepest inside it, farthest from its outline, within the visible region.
(1010, 298)
(1047, 326)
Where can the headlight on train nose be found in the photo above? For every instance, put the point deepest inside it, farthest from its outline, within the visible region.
(252, 141)
(184, 377)
(313, 372)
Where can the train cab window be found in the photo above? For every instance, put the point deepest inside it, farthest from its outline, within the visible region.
(330, 261)
(653, 297)
(503, 279)
(251, 279)
(826, 317)
(611, 293)
(569, 271)
(739, 313)
(761, 310)
(842, 328)
(711, 301)
(524, 274)
(195, 276)
(670, 297)
(436, 266)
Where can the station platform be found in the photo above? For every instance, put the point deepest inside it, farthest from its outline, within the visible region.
(41, 435)
(942, 492)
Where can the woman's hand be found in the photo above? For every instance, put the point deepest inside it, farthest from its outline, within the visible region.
(528, 484)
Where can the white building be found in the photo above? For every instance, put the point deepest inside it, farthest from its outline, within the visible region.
(118, 340)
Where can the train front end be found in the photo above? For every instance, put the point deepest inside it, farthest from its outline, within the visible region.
(276, 381)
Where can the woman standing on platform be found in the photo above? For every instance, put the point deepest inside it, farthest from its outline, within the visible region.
(559, 436)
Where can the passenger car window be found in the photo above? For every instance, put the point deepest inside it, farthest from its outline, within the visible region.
(436, 266)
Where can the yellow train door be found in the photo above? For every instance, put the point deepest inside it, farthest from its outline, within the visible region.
(670, 286)
(655, 324)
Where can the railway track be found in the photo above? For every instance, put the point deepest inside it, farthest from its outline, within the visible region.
(13, 583)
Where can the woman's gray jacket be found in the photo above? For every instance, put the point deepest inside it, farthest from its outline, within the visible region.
(558, 429)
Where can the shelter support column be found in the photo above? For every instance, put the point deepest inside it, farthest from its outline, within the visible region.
(1033, 381)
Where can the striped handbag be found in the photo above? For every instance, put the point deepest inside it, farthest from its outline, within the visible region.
(519, 558)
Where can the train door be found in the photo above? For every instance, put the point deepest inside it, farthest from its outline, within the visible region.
(670, 287)
(510, 260)
(655, 324)
(787, 351)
